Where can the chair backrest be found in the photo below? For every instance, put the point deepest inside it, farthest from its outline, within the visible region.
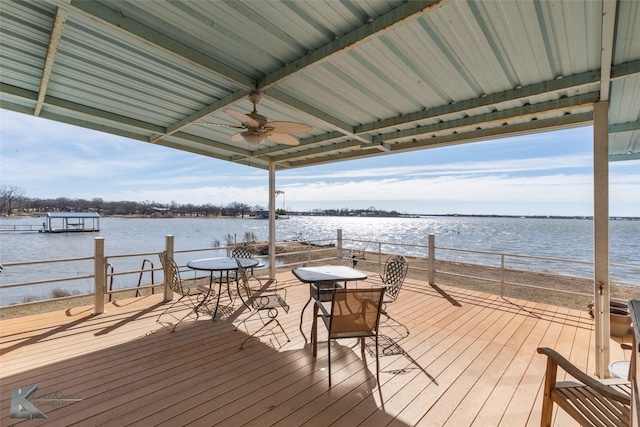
(395, 271)
(171, 274)
(242, 250)
(355, 312)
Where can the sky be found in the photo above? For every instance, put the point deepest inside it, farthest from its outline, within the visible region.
(548, 173)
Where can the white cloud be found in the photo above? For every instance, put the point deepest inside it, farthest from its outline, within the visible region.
(550, 171)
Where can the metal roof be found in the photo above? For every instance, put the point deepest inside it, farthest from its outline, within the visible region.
(73, 215)
(372, 77)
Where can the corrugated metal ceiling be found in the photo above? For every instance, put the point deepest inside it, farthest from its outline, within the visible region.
(370, 77)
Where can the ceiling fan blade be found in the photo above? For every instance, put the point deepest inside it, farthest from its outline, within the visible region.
(287, 127)
(237, 137)
(282, 138)
(242, 118)
(222, 125)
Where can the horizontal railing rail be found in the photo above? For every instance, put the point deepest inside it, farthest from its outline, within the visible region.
(500, 262)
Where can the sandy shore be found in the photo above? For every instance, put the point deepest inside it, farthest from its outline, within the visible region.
(538, 286)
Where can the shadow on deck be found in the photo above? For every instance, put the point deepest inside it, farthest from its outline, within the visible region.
(469, 359)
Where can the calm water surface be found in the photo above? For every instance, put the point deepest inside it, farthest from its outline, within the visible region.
(556, 238)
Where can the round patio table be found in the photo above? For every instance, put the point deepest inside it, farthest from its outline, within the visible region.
(221, 265)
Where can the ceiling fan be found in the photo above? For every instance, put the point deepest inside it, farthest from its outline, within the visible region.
(257, 129)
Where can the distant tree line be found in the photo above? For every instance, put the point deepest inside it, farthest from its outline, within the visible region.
(13, 201)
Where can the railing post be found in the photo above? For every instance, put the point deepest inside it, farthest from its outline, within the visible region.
(501, 275)
(432, 259)
(100, 273)
(168, 247)
(339, 246)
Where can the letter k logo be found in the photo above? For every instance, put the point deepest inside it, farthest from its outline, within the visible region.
(21, 407)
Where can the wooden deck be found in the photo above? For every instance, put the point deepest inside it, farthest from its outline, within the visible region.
(470, 360)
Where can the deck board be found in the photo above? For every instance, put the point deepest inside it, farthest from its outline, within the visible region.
(470, 359)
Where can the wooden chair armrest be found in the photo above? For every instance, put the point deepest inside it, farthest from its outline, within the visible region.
(585, 379)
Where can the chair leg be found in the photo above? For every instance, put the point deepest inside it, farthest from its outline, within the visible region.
(547, 402)
(264, 325)
(329, 359)
(377, 363)
(253, 335)
(244, 322)
(167, 311)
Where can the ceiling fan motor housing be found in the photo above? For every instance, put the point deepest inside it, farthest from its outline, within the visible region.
(255, 96)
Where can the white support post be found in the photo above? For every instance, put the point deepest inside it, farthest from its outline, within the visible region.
(272, 219)
(168, 248)
(339, 246)
(601, 235)
(100, 276)
(432, 259)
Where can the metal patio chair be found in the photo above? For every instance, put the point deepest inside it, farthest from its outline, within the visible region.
(191, 298)
(245, 250)
(395, 271)
(261, 302)
(355, 313)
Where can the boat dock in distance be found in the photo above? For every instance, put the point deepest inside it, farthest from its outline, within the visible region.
(62, 222)
(70, 222)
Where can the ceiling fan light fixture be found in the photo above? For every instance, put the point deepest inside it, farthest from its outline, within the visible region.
(253, 138)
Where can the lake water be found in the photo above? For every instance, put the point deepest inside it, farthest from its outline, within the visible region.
(556, 238)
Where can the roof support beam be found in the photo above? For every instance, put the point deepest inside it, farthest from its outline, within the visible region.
(104, 14)
(318, 150)
(624, 127)
(52, 50)
(571, 120)
(198, 115)
(375, 28)
(337, 157)
(573, 82)
(196, 149)
(497, 116)
(441, 140)
(232, 149)
(625, 69)
(80, 108)
(327, 137)
(459, 138)
(567, 83)
(337, 124)
(606, 51)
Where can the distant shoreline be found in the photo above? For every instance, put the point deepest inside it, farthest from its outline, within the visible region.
(293, 214)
